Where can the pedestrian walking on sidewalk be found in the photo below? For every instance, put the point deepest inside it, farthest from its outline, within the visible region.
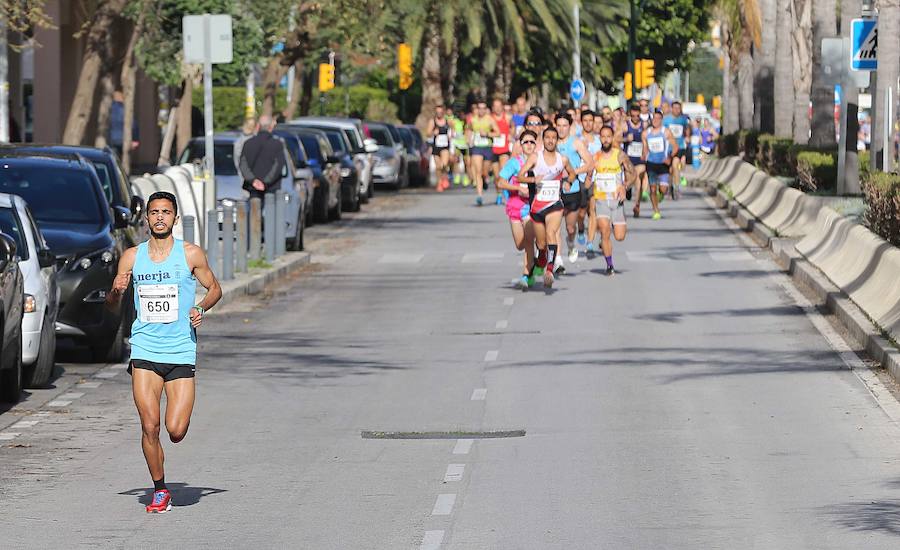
(262, 160)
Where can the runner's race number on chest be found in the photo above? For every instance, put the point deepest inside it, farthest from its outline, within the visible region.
(656, 144)
(549, 191)
(158, 303)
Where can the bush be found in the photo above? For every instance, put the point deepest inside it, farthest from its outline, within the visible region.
(816, 171)
(748, 142)
(764, 143)
(728, 145)
(357, 98)
(382, 110)
(883, 205)
(864, 159)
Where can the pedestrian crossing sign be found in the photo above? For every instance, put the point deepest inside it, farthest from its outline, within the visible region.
(864, 42)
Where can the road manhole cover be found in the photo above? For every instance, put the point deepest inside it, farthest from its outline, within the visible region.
(497, 434)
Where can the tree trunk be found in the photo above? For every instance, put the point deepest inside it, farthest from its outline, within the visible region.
(850, 9)
(888, 49)
(764, 67)
(784, 72)
(299, 76)
(449, 70)
(185, 106)
(432, 94)
(129, 69)
(745, 85)
(95, 55)
(306, 98)
(801, 23)
(824, 18)
(107, 87)
(168, 137)
(271, 77)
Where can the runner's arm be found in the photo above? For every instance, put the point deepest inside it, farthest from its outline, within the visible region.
(570, 173)
(644, 149)
(123, 278)
(523, 172)
(672, 142)
(625, 162)
(495, 128)
(506, 173)
(200, 268)
(587, 163)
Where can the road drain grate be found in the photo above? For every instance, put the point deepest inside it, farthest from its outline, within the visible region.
(366, 434)
(487, 333)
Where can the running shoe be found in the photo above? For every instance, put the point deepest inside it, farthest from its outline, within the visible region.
(466, 181)
(573, 255)
(628, 193)
(457, 179)
(657, 216)
(162, 502)
(558, 267)
(479, 201)
(538, 271)
(548, 279)
(589, 253)
(610, 271)
(530, 279)
(636, 211)
(683, 181)
(522, 283)
(645, 196)
(581, 239)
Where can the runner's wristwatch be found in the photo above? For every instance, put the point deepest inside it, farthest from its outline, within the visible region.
(199, 308)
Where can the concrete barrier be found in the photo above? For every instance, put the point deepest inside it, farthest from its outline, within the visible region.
(179, 181)
(860, 263)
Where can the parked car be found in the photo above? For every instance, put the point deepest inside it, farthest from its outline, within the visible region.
(302, 168)
(325, 165)
(363, 153)
(229, 184)
(87, 237)
(12, 298)
(424, 168)
(390, 161)
(418, 173)
(38, 266)
(350, 200)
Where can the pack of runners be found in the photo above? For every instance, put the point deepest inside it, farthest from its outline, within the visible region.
(566, 174)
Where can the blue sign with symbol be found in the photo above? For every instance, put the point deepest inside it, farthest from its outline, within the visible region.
(864, 45)
(576, 90)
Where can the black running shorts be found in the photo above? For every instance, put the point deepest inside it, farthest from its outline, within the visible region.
(166, 371)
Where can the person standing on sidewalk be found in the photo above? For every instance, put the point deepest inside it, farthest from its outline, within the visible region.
(165, 272)
(262, 160)
(117, 125)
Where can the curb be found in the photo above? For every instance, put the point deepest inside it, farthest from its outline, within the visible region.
(863, 333)
(257, 280)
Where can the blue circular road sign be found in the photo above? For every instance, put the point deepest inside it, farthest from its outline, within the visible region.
(576, 90)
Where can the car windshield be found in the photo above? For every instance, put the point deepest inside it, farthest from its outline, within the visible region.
(55, 194)
(395, 133)
(381, 136)
(311, 144)
(223, 156)
(105, 176)
(9, 224)
(293, 145)
(351, 137)
(337, 143)
(407, 138)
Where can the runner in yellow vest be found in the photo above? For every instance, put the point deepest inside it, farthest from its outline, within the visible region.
(612, 172)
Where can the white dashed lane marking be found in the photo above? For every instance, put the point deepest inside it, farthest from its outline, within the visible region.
(443, 506)
(454, 472)
(463, 446)
(71, 395)
(502, 324)
(89, 385)
(432, 540)
(401, 258)
(478, 394)
(482, 258)
(491, 355)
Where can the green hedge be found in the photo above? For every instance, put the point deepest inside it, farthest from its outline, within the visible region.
(816, 171)
(775, 156)
(748, 142)
(228, 105)
(883, 205)
(728, 145)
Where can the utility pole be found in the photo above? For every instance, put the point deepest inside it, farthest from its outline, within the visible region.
(868, 10)
(4, 84)
(632, 45)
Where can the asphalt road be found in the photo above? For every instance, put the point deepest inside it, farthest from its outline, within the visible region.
(687, 402)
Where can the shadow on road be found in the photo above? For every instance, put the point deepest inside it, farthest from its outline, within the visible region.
(678, 316)
(877, 515)
(738, 274)
(182, 494)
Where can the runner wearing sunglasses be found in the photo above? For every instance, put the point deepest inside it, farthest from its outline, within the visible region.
(517, 206)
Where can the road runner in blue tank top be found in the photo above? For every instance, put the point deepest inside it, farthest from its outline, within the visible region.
(164, 271)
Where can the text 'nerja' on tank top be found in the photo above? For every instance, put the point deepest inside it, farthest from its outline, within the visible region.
(164, 293)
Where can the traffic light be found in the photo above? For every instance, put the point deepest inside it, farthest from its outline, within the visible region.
(644, 72)
(628, 94)
(326, 77)
(717, 101)
(701, 99)
(404, 65)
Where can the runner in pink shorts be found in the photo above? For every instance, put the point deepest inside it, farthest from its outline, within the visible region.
(517, 206)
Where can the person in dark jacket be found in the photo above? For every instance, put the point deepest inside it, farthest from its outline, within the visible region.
(117, 124)
(262, 160)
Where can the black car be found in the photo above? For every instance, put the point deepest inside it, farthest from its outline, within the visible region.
(326, 168)
(87, 235)
(12, 302)
(350, 196)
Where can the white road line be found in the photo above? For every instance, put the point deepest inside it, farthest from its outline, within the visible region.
(8, 436)
(463, 446)
(432, 540)
(491, 355)
(90, 385)
(401, 258)
(502, 324)
(454, 472)
(24, 424)
(482, 258)
(59, 403)
(508, 301)
(443, 506)
(478, 394)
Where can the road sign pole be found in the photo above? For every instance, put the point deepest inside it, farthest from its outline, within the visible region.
(209, 175)
(577, 55)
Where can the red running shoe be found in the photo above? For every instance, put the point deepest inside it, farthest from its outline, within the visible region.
(162, 502)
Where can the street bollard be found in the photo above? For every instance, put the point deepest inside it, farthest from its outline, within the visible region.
(269, 226)
(255, 228)
(227, 242)
(212, 240)
(240, 249)
(188, 228)
(280, 226)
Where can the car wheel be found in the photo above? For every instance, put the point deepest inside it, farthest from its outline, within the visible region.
(112, 350)
(295, 243)
(321, 205)
(405, 181)
(38, 374)
(334, 214)
(364, 195)
(371, 191)
(11, 377)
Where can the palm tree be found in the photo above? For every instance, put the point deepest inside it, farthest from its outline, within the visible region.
(764, 64)
(801, 50)
(888, 68)
(824, 18)
(741, 31)
(784, 74)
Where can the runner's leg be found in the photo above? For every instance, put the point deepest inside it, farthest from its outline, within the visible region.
(179, 405)
(147, 387)
(478, 175)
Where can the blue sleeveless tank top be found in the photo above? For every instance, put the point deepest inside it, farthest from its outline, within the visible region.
(567, 149)
(659, 147)
(163, 297)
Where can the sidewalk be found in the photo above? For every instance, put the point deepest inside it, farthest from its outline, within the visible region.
(256, 279)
